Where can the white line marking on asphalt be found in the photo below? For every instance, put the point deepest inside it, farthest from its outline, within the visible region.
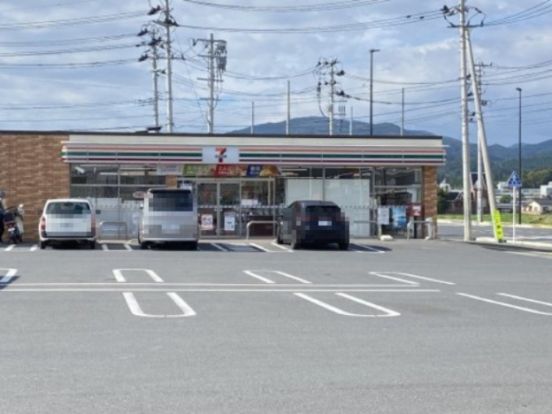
(9, 248)
(104, 247)
(264, 249)
(118, 273)
(429, 279)
(398, 279)
(127, 246)
(8, 276)
(507, 305)
(369, 248)
(221, 248)
(388, 312)
(207, 290)
(281, 247)
(292, 277)
(33, 248)
(136, 310)
(335, 286)
(539, 302)
(186, 309)
(256, 276)
(540, 255)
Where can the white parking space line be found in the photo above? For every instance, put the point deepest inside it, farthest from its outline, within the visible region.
(33, 248)
(429, 279)
(365, 249)
(256, 276)
(104, 247)
(539, 302)
(118, 274)
(385, 275)
(7, 275)
(540, 255)
(292, 277)
(9, 248)
(258, 246)
(387, 312)
(136, 310)
(507, 305)
(281, 247)
(127, 246)
(293, 289)
(221, 248)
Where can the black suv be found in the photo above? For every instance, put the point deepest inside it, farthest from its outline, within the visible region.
(313, 222)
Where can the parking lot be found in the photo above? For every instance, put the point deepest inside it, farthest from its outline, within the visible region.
(251, 326)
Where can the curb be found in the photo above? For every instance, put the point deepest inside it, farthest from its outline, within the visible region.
(539, 247)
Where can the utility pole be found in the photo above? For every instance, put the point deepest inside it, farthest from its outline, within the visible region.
(483, 137)
(252, 117)
(332, 92)
(168, 23)
(519, 154)
(351, 123)
(328, 68)
(288, 118)
(216, 65)
(402, 112)
(153, 54)
(372, 51)
(461, 9)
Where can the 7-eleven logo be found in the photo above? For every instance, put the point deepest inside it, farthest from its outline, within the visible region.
(221, 153)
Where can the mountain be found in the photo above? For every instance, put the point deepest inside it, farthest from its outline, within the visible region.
(536, 158)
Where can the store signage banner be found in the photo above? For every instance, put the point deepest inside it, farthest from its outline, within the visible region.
(221, 155)
(169, 169)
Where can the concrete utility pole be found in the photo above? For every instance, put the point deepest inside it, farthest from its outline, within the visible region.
(466, 175)
(519, 154)
(372, 51)
(252, 118)
(167, 24)
(216, 64)
(155, 72)
(351, 123)
(288, 118)
(332, 97)
(153, 54)
(482, 136)
(402, 111)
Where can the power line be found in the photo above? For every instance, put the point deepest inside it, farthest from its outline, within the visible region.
(336, 5)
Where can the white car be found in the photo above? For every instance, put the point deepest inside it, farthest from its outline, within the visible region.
(67, 219)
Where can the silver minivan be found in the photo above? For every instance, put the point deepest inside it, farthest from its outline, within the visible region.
(67, 219)
(169, 216)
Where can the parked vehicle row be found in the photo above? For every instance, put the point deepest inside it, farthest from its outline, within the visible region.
(171, 216)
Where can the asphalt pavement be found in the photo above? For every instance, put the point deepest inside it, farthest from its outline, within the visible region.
(248, 326)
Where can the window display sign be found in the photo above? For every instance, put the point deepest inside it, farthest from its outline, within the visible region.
(207, 222)
(383, 216)
(229, 221)
(169, 169)
(399, 217)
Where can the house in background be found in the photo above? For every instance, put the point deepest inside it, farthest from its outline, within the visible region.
(539, 206)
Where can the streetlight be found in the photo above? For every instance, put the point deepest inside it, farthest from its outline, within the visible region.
(519, 154)
(372, 51)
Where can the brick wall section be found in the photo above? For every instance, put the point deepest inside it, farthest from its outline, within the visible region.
(33, 172)
(429, 190)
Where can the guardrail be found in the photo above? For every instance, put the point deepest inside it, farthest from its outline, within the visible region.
(118, 224)
(251, 223)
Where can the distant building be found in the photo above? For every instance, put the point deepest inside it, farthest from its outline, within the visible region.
(539, 206)
(546, 190)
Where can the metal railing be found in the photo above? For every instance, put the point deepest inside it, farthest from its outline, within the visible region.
(120, 225)
(253, 222)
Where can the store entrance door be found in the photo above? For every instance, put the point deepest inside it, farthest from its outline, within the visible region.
(219, 208)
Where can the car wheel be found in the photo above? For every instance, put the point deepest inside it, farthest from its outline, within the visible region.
(143, 245)
(43, 245)
(92, 245)
(193, 246)
(344, 246)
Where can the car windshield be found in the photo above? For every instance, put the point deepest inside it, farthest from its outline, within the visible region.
(68, 207)
(178, 200)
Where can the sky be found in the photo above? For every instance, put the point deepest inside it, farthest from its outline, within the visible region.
(74, 65)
